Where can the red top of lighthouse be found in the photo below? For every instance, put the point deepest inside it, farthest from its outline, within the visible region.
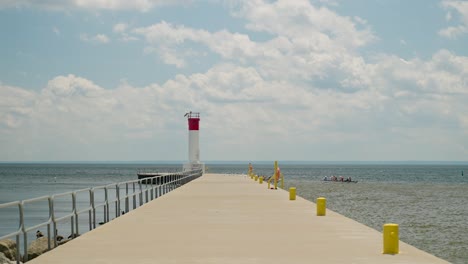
(193, 120)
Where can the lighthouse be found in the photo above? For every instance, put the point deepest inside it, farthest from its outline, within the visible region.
(193, 143)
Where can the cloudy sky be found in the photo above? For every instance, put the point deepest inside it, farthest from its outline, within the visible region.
(319, 80)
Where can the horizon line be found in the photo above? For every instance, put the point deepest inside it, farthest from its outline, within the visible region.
(298, 162)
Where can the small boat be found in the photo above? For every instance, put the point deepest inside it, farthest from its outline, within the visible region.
(344, 181)
(151, 174)
(340, 179)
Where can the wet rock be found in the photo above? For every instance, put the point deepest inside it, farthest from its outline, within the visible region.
(8, 248)
(39, 247)
(5, 260)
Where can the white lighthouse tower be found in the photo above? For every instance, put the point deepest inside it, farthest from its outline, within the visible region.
(194, 147)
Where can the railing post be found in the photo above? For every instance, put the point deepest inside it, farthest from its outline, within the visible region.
(126, 197)
(159, 185)
(90, 211)
(25, 235)
(75, 212)
(168, 183)
(106, 206)
(152, 189)
(93, 206)
(140, 193)
(146, 191)
(117, 202)
(18, 253)
(172, 181)
(54, 224)
(134, 196)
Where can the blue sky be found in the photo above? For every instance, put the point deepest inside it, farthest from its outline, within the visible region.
(274, 80)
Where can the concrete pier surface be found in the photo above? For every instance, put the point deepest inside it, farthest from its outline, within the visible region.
(231, 219)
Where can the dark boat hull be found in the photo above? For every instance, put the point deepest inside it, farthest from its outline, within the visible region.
(156, 180)
(340, 181)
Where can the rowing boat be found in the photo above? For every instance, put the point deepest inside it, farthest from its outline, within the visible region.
(343, 181)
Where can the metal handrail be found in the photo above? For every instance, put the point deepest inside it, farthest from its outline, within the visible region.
(148, 188)
(87, 209)
(70, 216)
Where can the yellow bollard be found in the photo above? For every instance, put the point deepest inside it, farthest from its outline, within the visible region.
(268, 184)
(292, 193)
(321, 206)
(256, 177)
(260, 180)
(390, 239)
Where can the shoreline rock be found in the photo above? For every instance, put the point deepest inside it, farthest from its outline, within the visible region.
(5, 260)
(39, 247)
(8, 248)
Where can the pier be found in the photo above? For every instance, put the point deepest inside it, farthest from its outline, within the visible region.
(220, 218)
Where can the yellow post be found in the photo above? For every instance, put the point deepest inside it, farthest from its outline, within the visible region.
(292, 193)
(390, 239)
(261, 180)
(321, 206)
(268, 184)
(256, 177)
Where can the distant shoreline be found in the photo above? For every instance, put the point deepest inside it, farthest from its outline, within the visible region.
(226, 162)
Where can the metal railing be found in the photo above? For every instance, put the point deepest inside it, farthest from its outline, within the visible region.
(127, 196)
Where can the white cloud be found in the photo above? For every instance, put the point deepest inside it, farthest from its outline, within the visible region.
(16, 104)
(309, 41)
(299, 19)
(461, 8)
(70, 86)
(448, 16)
(65, 5)
(98, 39)
(405, 103)
(304, 86)
(120, 27)
(453, 32)
(163, 39)
(56, 31)
(101, 38)
(444, 74)
(327, 2)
